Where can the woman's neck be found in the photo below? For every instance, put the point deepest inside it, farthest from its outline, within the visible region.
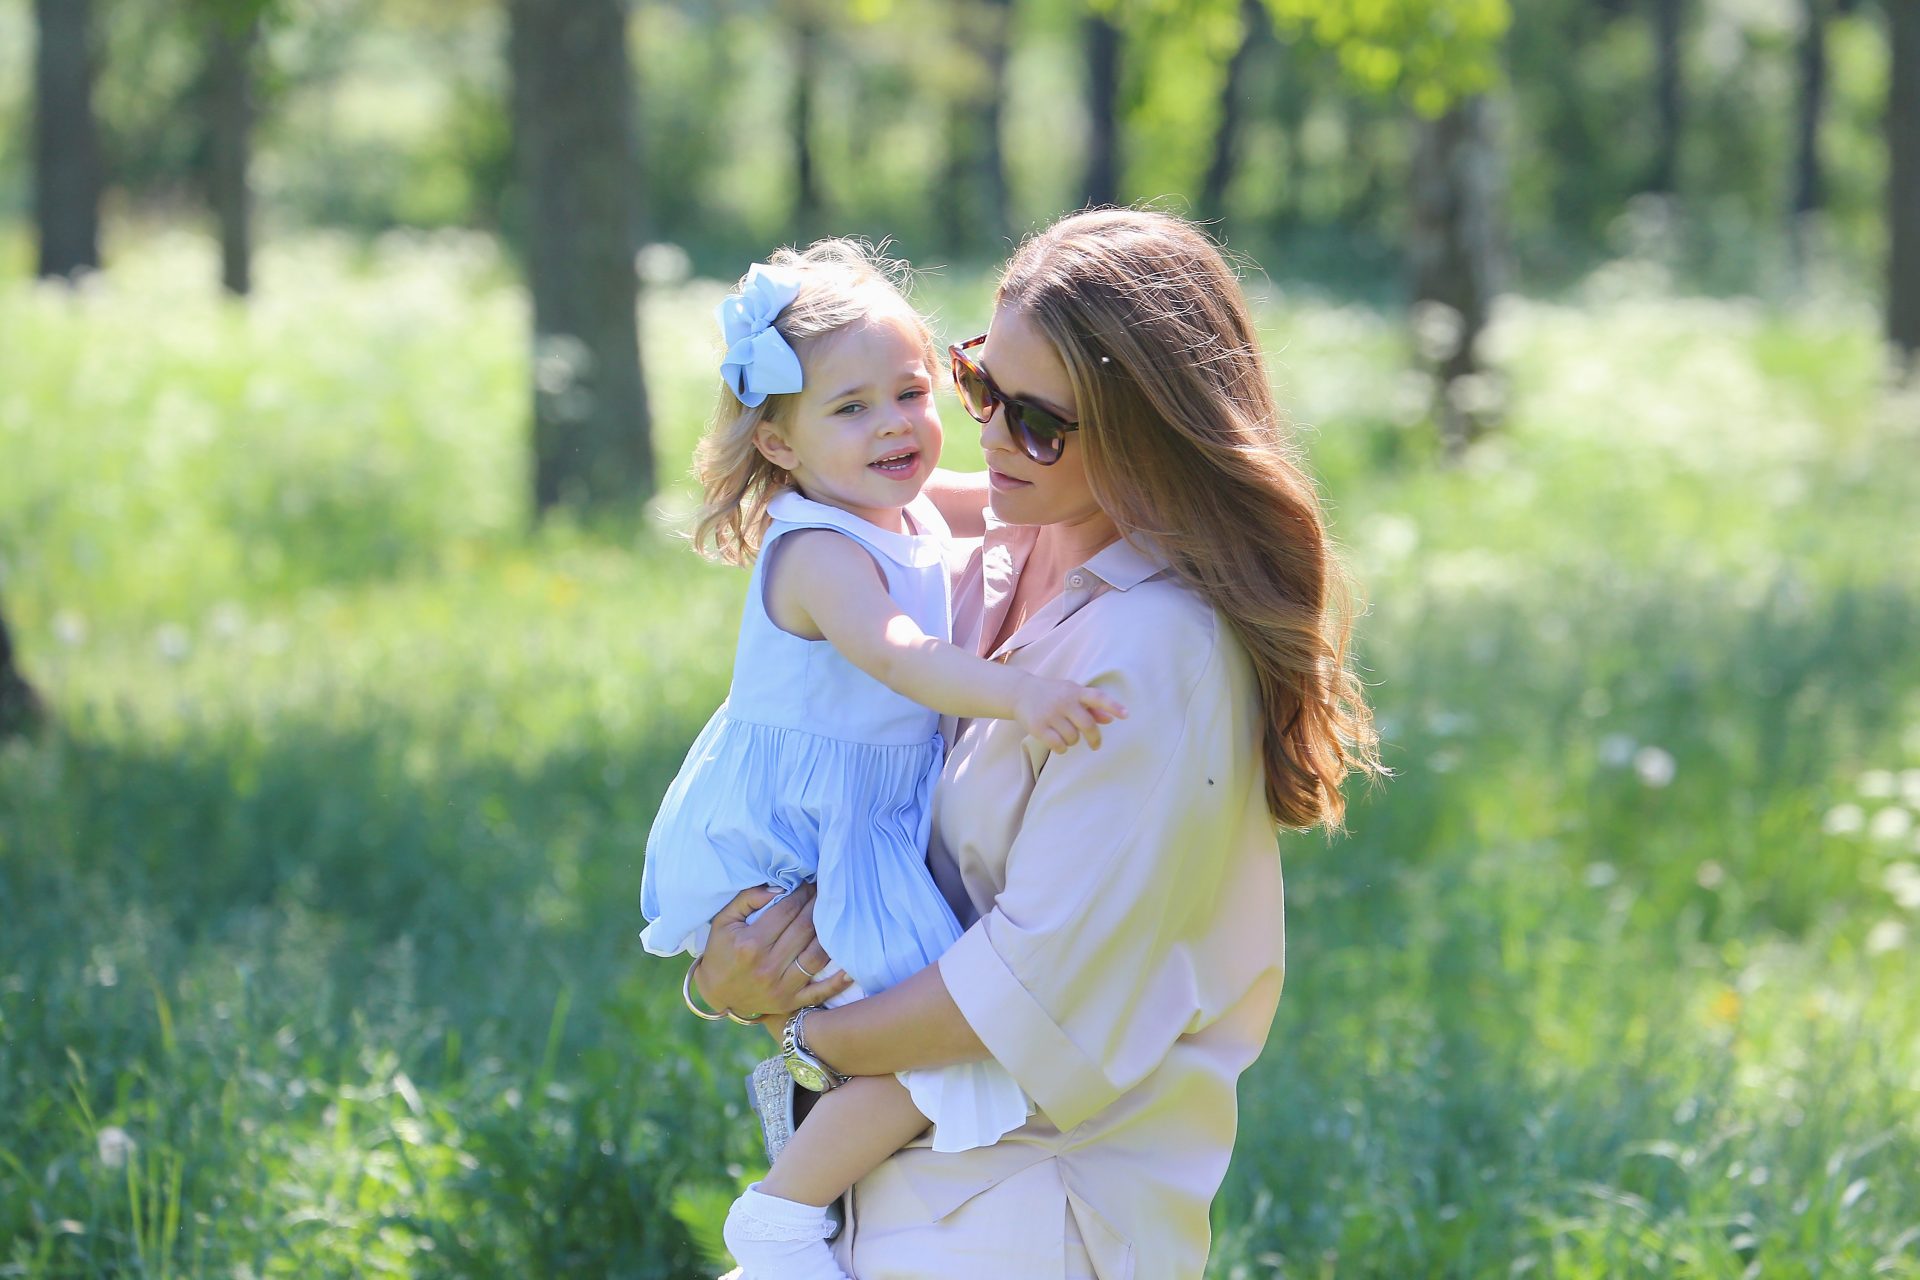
(1070, 544)
(1062, 547)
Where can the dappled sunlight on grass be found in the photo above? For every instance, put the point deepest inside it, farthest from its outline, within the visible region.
(320, 899)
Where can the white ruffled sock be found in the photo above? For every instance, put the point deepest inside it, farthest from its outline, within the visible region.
(775, 1239)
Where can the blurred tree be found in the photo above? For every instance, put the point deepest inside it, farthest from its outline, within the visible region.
(806, 26)
(1442, 56)
(1103, 38)
(1254, 34)
(1807, 193)
(1455, 251)
(1668, 92)
(972, 201)
(67, 171)
(572, 107)
(1903, 176)
(20, 707)
(230, 31)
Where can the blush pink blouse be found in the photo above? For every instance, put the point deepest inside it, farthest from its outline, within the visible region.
(1125, 947)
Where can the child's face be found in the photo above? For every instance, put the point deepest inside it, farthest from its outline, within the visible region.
(863, 434)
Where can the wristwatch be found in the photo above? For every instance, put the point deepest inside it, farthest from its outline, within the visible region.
(806, 1068)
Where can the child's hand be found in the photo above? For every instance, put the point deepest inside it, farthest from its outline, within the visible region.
(1060, 713)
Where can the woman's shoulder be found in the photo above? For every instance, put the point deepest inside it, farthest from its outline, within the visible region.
(1160, 618)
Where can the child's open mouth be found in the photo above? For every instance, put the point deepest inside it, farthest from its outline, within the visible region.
(897, 464)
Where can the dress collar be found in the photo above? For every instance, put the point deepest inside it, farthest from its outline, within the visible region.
(912, 549)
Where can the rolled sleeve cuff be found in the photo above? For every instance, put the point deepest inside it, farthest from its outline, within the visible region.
(1062, 1081)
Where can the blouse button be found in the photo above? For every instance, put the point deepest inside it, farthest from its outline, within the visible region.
(1077, 580)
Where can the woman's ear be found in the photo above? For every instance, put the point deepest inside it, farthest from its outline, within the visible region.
(773, 447)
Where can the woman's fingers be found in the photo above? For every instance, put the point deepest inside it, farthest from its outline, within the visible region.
(824, 990)
(775, 919)
(793, 940)
(744, 904)
(813, 961)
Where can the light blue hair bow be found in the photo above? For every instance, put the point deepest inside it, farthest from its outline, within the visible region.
(759, 363)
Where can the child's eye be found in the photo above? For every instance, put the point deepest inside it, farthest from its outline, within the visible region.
(848, 410)
(913, 393)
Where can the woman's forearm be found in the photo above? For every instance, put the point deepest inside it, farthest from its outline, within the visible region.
(910, 1025)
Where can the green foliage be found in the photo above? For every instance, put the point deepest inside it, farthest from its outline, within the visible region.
(319, 951)
(385, 113)
(1430, 51)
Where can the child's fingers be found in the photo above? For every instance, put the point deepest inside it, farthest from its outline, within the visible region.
(1101, 702)
(1087, 726)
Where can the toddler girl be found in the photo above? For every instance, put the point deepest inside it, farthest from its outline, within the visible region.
(821, 763)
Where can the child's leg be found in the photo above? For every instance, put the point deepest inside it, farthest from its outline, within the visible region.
(777, 1229)
(846, 1136)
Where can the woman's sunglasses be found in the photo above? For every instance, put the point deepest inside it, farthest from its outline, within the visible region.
(1040, 433)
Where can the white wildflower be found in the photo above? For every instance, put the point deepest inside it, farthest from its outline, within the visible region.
(1902, 880)
(1890, 824)
(115, 1145)
(1844, 820)
(1885, 937)
(69, 628)
(1878, 784)
(173, 642)
(1655, 766)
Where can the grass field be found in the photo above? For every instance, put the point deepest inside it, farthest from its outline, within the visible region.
(317, 910)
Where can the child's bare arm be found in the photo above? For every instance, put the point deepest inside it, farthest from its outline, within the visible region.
(961, 499)
(824, 585)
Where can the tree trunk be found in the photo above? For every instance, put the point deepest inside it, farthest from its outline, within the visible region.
(67, 169)
(1456, 253)
(1226, 137)
(972, 199)
(806, 183)
(20, 707)
(230, 116)
(574, 153)
(1102, 183)
(1808, 188)
(1668, 98)
(1903, 176)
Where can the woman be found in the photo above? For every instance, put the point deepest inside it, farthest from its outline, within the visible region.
(1151, 532)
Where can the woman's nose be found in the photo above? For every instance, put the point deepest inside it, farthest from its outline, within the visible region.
(993, 432)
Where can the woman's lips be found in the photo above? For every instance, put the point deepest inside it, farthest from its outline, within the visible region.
(1004, 482)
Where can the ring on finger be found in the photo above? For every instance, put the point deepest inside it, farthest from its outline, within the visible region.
(811, 975)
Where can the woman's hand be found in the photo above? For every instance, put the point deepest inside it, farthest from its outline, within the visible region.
(762, 967)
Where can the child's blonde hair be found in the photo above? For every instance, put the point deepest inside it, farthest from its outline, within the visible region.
(843, 281)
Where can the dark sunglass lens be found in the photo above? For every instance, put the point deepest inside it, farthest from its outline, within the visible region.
(974, 396)
(1044, 435)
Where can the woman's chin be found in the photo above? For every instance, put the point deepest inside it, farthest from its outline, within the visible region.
(1014, 506)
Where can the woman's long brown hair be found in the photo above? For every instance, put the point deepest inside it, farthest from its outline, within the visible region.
(1186, 451)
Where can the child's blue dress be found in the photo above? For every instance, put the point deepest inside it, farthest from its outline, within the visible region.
(814, 770)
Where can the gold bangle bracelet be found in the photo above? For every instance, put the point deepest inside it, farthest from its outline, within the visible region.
(753, 1021)
(686, 995)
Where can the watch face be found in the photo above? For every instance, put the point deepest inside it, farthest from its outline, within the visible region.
(807, 1075)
